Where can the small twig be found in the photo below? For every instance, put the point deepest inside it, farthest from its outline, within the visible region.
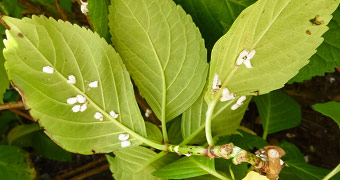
(20, 113)
(82, 168)
(91, 172)
(4, 23)
(11, 105)
(62, 13)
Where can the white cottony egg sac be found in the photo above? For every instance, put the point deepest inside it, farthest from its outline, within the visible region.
(125, 143)
(98, 116)
(113, 114)
(76, 108)
(123, 137)
(71, 79)
(81, 99)
(71, 100)
(48, 69)
(93, 84)
(83, 107)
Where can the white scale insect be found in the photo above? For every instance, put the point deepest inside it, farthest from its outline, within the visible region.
(216, 84)
(48, 69)
(226, 95)
(114, 115)
(93, 84)
(83, 7)
(71, 79)
(98, 116)
(238, 103)
(245, 57)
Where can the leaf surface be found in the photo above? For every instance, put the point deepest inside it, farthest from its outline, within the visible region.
(134, 164)
(327, 57)
(186, 167)
(224, 121)
(276, 29)
(14, 164)
(70, 50)
(278, 111)
(98, 14)
(153, 132)
(163, 50)
(330, 109)
(214, 17)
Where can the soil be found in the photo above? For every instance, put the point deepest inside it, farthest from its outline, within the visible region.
(317, 136)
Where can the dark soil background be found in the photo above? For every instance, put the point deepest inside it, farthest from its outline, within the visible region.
(318, 137)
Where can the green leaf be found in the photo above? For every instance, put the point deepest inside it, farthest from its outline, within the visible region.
(14, 164)
(163, 50)
(66, 5)
(244, 140)
(278, 111)
(4, 83)
(327, 58)
(330, 109)
(186, 167)
(276, 29)
(6, 118)
(98, 12)
(133, 164)
(72, 51)
(175, 134)
(21, 130)
(193, 121)
(153, 132)
(297, 167)
(48, 149)
(214, 17)
(11, 8)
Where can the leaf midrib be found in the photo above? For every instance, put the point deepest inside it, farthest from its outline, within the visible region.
(158, 62)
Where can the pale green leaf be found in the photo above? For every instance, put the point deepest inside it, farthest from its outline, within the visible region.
(214, 17)
(134, 164)
(224, 121)
(153, 132)
(4, 83)
(14, 164)
(252, 175)
(327, 58)
(277, 30)
(186, 167)
(39, 42)
(163, 50)
(278, 111)
(330, 109)
(98, 12)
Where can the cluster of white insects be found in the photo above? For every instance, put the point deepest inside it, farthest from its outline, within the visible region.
(80, 104)
(79, 101)
(244, 58)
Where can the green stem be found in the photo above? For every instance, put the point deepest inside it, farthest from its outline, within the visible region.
(208, 119)
(264, 136)
(332, 173)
